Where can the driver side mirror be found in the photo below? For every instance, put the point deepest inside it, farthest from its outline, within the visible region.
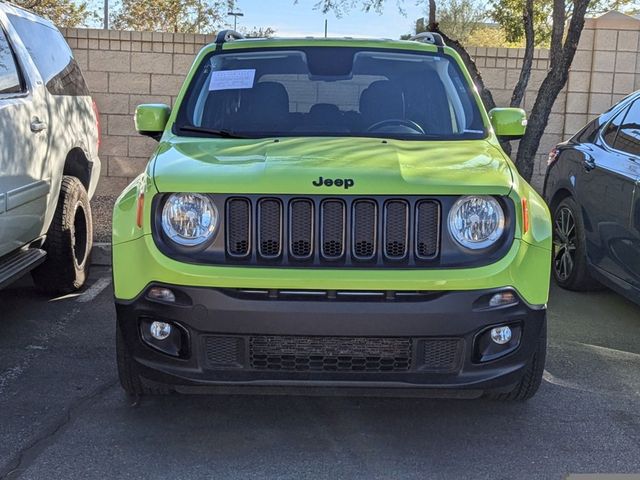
(508, 123)
(151, 119)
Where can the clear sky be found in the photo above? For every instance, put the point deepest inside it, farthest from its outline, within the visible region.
(289, 19)
(294, 19)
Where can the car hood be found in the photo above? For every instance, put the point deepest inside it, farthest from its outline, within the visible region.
(364, 166)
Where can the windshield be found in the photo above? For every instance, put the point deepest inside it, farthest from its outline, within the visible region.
(326, 91)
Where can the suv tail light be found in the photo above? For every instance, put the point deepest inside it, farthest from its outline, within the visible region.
(553, 156)
(97, 114)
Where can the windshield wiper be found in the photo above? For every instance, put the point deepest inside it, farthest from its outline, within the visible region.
(210, 131)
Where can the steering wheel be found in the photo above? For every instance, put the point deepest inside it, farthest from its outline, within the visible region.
(397, 121)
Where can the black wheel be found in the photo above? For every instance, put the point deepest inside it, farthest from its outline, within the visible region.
(69, 241)
(570, 268)
(128, 374)
(532, 378)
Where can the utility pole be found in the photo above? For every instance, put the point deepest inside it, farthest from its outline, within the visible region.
(326, 27)
(235, 16)
(105, 22)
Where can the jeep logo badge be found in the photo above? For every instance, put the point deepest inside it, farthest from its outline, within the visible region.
(347, 183)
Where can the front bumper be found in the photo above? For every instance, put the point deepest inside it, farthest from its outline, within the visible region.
(268, 338)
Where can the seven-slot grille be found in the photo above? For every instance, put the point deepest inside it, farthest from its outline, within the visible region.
(354, 231)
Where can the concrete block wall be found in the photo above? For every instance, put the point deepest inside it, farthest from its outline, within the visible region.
(124, 69)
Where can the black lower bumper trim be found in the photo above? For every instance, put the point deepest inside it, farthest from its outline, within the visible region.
(239, 342)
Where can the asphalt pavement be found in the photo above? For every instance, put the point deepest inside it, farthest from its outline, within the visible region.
(64, 416)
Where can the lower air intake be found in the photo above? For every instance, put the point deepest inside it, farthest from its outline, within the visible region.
(330, 354)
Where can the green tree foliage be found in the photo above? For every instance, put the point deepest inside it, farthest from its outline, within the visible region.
(460, 19)
(508, 14)
(186, 16)
(64, 13)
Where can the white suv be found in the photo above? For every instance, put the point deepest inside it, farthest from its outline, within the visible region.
(49, 165)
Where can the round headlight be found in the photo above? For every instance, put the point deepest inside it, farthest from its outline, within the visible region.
(189, 219)
(476, 222)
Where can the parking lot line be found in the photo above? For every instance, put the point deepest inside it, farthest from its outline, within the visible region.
(94, 290)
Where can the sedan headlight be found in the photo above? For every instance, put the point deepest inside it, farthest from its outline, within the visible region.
(189, 219)
(476, 222)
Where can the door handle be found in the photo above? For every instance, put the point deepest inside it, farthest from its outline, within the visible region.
(37, 125)
(589, 163)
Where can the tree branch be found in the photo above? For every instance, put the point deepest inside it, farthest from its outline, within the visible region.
(525, 71)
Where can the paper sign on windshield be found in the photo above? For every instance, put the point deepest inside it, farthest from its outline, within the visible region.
(232, 79)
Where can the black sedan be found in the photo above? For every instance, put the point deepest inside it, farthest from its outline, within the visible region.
(592, 187)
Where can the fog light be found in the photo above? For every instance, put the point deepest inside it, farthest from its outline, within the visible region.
(162, 294)
(503, 298)
(162, 330)
(501, 335)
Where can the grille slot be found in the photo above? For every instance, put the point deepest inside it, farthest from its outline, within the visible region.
(441, 354)
(269, 228)
(318, 232)
(301, 229)
(396, 232)
(365, 227)
(332, 230)
(330, 354)
(427, 229)
(238, 227)
(223, 352)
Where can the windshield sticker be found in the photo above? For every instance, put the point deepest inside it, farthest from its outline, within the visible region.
(232, 79)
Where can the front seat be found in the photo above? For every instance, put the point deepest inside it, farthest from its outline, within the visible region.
(382, 100)
(265, 108)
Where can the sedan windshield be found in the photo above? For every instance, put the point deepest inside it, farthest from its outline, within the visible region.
(330, 91)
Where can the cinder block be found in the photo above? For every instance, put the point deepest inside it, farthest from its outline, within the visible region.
(109, 61)
(606, 40)
(574, 122)
(628, 41)
(113, 146)
(182, 64)
(623, 83)
(166, 84)
(140, 146)
(586, 39)
(97, 81)
(626, 62)
(151, 63)
(577, 102)
(494, 77)
(579, 81)
(582, 61)
(120, 125)
(129, 83)
(599, 102)
(127, 167)
(603, 61)
(112, 103)
(601, 82)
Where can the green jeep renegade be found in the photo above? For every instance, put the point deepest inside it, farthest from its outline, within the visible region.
(331, 213)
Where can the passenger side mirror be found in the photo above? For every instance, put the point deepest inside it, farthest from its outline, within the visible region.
(508, 123)
(151, 119)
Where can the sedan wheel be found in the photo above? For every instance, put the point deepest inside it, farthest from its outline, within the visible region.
(564, 243)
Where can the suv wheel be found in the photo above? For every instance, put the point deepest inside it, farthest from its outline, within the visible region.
(532, 378)
(128, 373)
(69, 241)
(569, 258)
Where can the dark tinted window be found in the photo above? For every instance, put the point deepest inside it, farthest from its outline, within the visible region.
(52, 57)
(611, 130)
(327, 91)
(9, 78)
(628, 139)
(588, 133)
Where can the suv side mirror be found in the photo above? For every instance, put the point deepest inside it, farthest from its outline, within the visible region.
(151, 119)
(508, 123)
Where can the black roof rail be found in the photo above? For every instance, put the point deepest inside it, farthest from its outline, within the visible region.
(429, 37)
(228, 36)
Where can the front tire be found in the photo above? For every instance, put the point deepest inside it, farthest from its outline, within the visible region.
(128, 373)
(69, 241)
(532, 378)
(570, 268)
